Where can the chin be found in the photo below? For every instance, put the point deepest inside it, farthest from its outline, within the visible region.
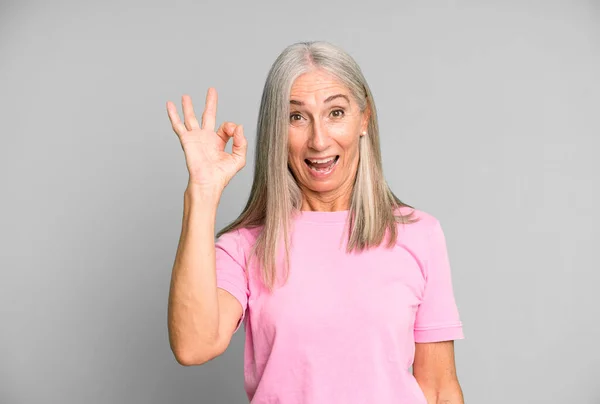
(328, 185)
(321, 188)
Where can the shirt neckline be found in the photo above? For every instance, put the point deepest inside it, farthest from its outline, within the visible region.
(313, 216)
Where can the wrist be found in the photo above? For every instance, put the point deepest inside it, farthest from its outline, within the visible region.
(205, 194)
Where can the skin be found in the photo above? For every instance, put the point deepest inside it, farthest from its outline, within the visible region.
(320, 129)
(435, 370)
(202, 317)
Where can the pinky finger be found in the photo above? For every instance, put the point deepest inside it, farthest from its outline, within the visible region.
(178, 127)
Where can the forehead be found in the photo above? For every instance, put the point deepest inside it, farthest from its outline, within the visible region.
(316, 85)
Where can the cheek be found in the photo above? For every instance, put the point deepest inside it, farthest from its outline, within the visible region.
(346, 133)
(348, 141)
(295, 150)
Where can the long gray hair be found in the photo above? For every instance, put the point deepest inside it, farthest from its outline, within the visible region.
(275, 195)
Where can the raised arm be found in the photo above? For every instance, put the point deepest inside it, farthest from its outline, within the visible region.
(201, 317)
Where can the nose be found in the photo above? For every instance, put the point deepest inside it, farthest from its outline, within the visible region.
(319, 138)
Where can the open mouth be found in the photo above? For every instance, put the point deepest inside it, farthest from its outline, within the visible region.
(322, 165)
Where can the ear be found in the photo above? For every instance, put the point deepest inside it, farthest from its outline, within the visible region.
(364, 125)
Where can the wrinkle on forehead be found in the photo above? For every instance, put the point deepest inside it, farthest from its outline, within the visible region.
(315, 86)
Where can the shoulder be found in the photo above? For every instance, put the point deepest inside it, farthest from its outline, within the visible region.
(422, 223)
(422, 234)
(424, 238)
(238, 241)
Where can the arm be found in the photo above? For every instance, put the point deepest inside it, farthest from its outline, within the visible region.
(435, 371)
(201, 317)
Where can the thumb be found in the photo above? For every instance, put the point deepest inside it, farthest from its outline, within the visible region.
(240, 145)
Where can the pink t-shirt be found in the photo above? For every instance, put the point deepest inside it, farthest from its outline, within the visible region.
(343, 329)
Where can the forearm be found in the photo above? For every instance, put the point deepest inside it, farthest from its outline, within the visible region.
(449, 394)
(193, 312)
(453, 399)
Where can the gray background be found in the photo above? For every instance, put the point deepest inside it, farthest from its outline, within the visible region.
(489, 121)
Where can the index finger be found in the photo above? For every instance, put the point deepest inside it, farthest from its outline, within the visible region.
(209, 115)
(178, 127)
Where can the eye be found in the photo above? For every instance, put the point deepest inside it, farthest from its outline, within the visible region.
(337, 113)
(294, 116)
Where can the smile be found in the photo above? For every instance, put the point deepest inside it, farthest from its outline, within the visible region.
(322, 167)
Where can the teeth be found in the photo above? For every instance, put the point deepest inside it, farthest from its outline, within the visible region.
(322, 160)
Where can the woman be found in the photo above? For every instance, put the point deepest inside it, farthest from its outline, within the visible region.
(341, 286)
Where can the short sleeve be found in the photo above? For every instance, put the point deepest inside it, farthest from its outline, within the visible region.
(230, 265)
(437, 317)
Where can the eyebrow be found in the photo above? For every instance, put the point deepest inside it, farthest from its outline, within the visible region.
(328, 99)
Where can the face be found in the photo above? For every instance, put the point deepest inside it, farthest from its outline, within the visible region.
(325, 126)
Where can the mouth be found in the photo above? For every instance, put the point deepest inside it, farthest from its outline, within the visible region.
(322, 166)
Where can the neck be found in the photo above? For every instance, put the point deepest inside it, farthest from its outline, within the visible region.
(321, 202)
(331, 201)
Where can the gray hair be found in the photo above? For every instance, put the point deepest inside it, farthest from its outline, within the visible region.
(275, 195)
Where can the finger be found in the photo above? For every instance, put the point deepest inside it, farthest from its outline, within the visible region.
(189, 117)
(240, 145)
(210, 110)
(176, 123)
(226, 131)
